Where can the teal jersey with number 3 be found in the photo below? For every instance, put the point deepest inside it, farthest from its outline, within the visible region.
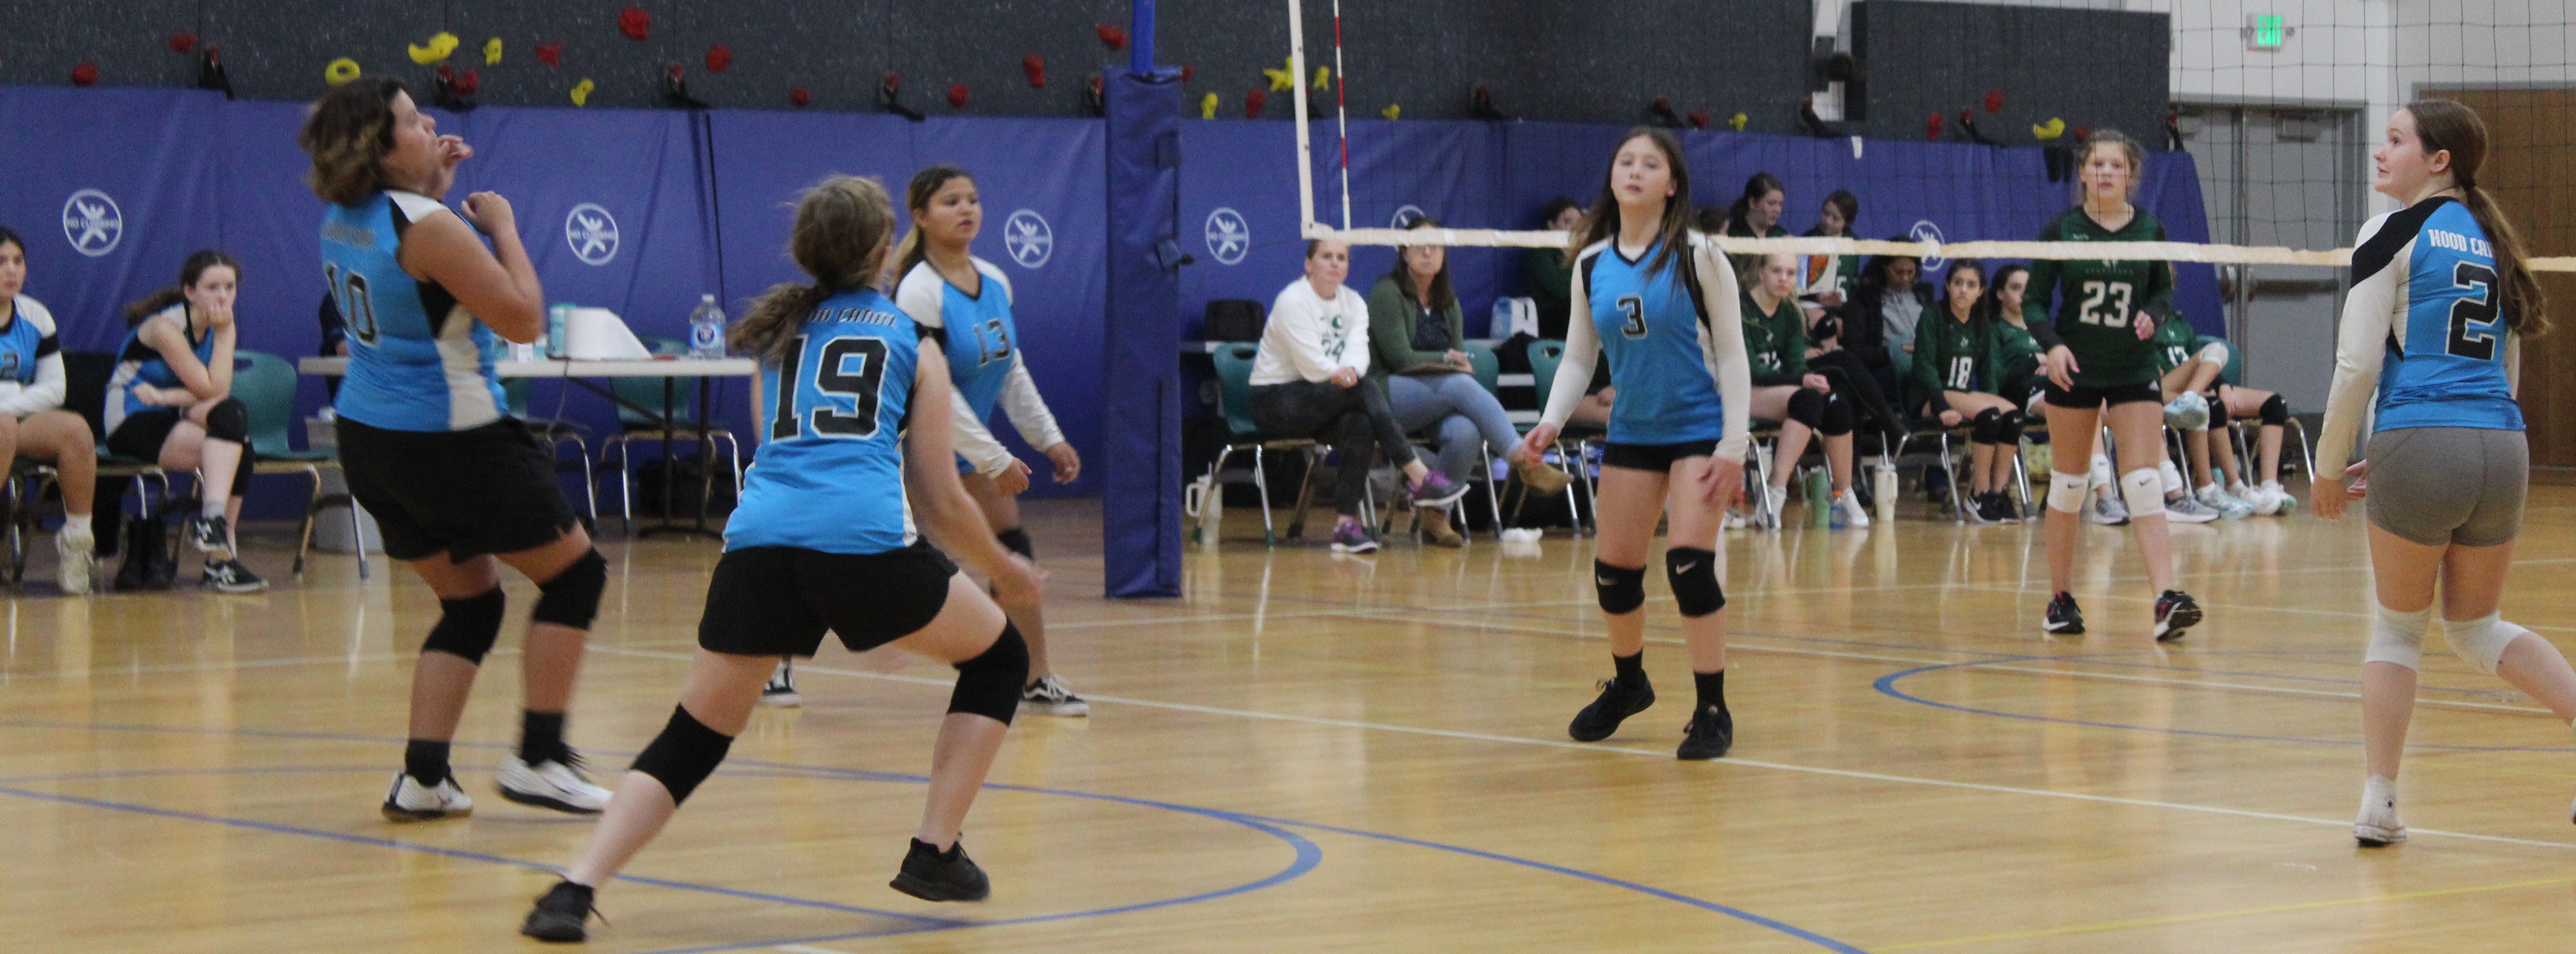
(2091, 304)
(829, 475)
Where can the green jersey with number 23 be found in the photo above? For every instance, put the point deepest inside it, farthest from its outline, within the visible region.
(2090, 304)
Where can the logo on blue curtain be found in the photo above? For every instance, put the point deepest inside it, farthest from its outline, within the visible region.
(1229, 237)
(1404, 216)
(1925, 231)
(1028, 238)
(592, 233)
(92, 222)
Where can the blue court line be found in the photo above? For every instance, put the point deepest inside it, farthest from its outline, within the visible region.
(1886, 685)
(1309, 855)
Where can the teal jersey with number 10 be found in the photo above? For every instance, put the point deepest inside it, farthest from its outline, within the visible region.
(829, 475)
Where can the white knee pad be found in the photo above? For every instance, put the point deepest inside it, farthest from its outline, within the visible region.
(2065, 492)
(2215, 353)
(2143, 493)
(2101, 472)
(2171, 475)
(2481, 641)
(2397, 637)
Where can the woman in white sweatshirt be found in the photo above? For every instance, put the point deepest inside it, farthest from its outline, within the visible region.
(1311, 379)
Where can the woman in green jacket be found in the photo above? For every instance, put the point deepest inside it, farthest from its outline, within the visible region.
(1416, 332)
(1775, 342)
(1954, 380)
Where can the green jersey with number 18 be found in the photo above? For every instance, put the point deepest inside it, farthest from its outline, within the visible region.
(2089, 304)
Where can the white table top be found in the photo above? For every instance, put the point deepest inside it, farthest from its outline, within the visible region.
(676, 368)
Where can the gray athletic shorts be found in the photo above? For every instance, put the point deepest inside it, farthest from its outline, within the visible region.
(2449, 485)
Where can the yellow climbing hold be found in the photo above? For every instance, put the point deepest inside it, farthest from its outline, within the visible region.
(1322, 75)
(340, 71)
(439, 48)
(1284, 78)
(1738, 120)
(1392, 111)
(2051, 129)
(1207, 106)
(492, 51)
(581, 91)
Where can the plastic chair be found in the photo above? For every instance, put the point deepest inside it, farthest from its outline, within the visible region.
(556, 432)
(1234, 398)
(85, 377)
(265, 384)
(646, 425)
(1545, 356)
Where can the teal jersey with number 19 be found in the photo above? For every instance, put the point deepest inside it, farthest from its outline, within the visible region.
(829, 475)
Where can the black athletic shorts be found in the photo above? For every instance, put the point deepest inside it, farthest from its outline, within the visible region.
(1654, 457)
(490, 489)
(777, 601)
(142, 433)
(2083, 396)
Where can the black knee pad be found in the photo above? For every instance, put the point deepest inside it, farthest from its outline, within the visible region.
(1622, 589)
(467, 628)
(1982, 429)
(228, 420)
(572, 597)
(2276, 411)
(1693, 573)
(1016, 540)
(989, 685)
(2008, 428)
(1837, 417)
(1808, 408)
(684, 754)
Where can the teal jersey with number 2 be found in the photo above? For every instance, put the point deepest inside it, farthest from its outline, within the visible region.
(829, 476)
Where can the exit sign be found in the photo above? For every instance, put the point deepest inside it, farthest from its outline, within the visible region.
(2265, 32)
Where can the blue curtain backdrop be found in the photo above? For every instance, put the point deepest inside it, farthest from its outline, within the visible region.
(642, 211)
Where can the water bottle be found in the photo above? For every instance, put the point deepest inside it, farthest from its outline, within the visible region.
(1498, 323)
(1882, 486)
(707, 329)
(1820, 498)
(556, 315)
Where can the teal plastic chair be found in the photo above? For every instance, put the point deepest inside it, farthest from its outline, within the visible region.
(1546, 355)
(265, 384)
(642, 425)
(1234, 399)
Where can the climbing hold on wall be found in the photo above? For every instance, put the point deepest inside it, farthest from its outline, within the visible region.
(635, 23)
(1207, 106)
(1035, 66)
(719, 57)
(957, 94)
(1253, 101)
(2046, 131)
(1110, 36)
(800, 97)
(1284, 78)
(492, 51)
(340, 71)
(85, 74)
(1392, 111)
(438, 48)
(1737, 121)
(550, 54)
(581, 91)
(183, 42)
(1994, 101)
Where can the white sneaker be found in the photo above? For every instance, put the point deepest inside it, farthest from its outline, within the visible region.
(2271, 500)
(1050, 697)
(1848, 512)
(2188, 509)
(551, 784)
(781, 690)
(2107, 510)
(2188, 412)
(1736, 521)
(2229, 508)
(2378, 825)
(79, 556)
(411, 801)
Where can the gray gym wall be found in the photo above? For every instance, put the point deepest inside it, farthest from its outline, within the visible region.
(1543, 59)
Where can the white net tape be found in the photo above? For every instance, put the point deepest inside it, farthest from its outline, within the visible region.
(2169, 251)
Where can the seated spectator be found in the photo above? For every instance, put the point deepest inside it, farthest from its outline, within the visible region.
(1802, 402)
(1415, 328)
(1310, 379)
(170, 401)
(33, 423)
(1825, 281)
(1755, 214)
(2012, 354)
(1547, 274)
(1953, 382)
(1885, 306)
(2190, 371)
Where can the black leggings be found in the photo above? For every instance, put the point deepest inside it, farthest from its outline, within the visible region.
(1355, 420)
(1850, 376)
(2021, 380)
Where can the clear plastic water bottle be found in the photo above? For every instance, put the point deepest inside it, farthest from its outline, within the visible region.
(707, 329)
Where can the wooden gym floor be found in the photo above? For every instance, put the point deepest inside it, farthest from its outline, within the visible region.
(1311, 753)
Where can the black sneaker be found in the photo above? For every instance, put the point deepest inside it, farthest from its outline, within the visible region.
(2064, 619)
(2175, 612)
(230, 576)
(2006, 511)
(562, 914)
(1710, 733)
(1616, 703)
(210, 535)
(934, 875)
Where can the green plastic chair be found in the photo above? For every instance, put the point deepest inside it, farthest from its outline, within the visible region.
(1489, 366)
(1546, 355)
(1234, 399)
(642, 425)
(265, 384)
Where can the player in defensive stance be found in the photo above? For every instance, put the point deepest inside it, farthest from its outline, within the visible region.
(1661, 300)
(823, 540)
(2434, 325)
(2094, 318)
(454, 481)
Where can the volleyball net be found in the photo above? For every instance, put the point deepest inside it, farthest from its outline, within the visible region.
(2277, 114)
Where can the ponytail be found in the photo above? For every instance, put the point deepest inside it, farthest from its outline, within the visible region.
(2525, 308)
(136, 312)
(840, 240)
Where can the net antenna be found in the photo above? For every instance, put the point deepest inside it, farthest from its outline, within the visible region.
(1310, 228)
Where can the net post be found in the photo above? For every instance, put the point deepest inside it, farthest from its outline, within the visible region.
(1341, 112)
(1305, 149)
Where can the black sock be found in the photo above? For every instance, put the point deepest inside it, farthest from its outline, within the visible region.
(425, 761)
(1632, 669)
(1712, 689)
(541, 737)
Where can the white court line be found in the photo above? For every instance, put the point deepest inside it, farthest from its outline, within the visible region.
(1620, 750)
(806, 949)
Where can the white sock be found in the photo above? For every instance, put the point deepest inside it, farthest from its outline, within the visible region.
(2172, 477)
(214, 508)
(76, 524)
(2379, 790)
